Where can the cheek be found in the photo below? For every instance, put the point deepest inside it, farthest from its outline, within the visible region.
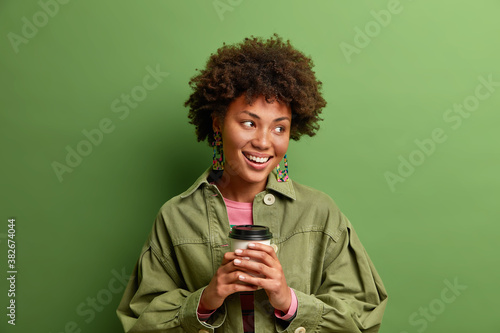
(232, 142)
(282, 147)
(236, 140)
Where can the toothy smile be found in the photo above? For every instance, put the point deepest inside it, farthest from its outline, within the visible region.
(257, 159)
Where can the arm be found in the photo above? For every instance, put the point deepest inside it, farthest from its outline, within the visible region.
(350, 297)
(165, 287)
(154, 300)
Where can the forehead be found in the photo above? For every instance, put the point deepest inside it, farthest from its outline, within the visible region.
(259, 107)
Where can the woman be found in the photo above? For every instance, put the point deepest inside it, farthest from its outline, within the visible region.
(249, 101)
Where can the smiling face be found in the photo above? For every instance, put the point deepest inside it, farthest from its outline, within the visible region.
(255, 138)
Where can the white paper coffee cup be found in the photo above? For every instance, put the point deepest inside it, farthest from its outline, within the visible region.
(243, 244)
(242, 235)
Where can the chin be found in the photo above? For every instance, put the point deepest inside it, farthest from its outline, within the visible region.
(257, 178)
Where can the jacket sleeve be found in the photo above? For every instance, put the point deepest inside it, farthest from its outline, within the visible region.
(351, 296)
(156, 299)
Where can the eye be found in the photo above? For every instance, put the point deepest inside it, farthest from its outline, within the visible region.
(280, 129)
(247, 123)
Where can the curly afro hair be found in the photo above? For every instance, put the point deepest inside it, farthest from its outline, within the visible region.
(271, 68)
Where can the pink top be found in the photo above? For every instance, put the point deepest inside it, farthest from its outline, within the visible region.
(240, 213)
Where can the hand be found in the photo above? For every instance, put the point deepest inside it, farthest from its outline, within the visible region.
(224, 283)
(266, 263)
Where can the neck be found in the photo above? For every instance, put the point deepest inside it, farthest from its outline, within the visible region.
(234, 189)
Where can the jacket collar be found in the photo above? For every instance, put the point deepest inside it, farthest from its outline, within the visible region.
(284, 188)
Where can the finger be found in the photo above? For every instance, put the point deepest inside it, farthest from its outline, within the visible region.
(228, 257)
(235, 281)
(234, 284)
(263, 247)
(230, 268)
(240, 286)
(250, 267)
(277, 291)
(260, 256)
(256, 281)
(269, 250)
(228, 273)
(253, 267)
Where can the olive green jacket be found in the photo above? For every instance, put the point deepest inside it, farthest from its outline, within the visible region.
(337, 286)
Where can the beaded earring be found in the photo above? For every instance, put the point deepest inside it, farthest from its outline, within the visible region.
(282, 176)
(218, 158)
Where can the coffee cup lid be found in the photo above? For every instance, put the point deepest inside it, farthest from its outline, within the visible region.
(250, 232)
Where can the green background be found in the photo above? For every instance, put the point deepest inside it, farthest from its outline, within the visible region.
(74, 234)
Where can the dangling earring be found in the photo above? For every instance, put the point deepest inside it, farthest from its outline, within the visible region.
(218, 159)
(282, 176)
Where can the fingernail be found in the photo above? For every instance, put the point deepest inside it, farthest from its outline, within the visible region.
(246, 258)
(238, 251)
(241, 277)
(237, 261)
(251, 245)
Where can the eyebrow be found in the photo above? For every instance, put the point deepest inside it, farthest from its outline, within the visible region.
(257, 117)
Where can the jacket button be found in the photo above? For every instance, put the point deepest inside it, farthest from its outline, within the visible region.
(269, 199)
(300, 330)
(275, 247)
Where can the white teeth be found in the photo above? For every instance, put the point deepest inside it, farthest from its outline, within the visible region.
(258, 159)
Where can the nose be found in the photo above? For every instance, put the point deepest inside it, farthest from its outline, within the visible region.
(262, 140)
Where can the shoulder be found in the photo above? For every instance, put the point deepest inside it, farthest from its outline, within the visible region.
(171, 205)
(183, 219)
(191, 198)
(181, 206)
(316, 210)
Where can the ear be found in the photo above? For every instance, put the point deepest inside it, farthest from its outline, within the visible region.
(216, 124)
